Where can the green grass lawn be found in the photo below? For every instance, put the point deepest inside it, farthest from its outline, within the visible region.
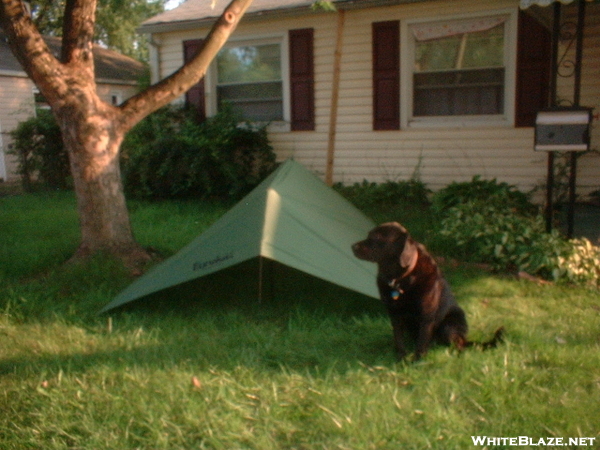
(265, 376)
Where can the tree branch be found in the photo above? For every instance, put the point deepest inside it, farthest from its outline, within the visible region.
(178, 83)
(78, 32)
(30, 48)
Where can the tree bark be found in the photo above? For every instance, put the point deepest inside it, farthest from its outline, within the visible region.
(92, 129)
(92, 141)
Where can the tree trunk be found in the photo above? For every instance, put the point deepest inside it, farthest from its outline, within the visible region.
(92, 129)
(92, 141)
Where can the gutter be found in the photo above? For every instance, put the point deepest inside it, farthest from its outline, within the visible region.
(13, 73)
(114, 81)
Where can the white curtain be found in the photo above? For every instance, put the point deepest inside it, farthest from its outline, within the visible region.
(437, 30)
(527, 3)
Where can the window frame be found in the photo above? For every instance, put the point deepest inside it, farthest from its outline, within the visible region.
(407, 60)
(253, 40)
(116, 97)
(39, 101)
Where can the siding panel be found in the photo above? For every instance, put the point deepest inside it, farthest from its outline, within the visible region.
(442, 154)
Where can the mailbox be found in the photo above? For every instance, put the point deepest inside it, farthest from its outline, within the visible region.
(563, 129)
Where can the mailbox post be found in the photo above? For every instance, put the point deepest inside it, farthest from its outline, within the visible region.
(562, 130)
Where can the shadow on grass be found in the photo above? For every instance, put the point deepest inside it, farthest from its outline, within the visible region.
(305, 325)
(319, 327)
(263, 340)
(301, 324)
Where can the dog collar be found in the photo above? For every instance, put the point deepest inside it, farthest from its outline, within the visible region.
(396, 291)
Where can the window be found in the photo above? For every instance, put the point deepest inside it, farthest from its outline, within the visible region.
(40, 100)
(116, 98)
(265, 79)
(249, 78)
(451, 72)
(459, 68)
(456, 71)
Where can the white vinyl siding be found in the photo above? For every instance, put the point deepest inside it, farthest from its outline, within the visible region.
(441, 153)
(17, 105)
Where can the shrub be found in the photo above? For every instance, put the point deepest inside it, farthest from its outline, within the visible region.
(487, 191)
(386, 194)
(404, 201)
(580, 263)
(39, 149)
(170, 155)
(497, 235)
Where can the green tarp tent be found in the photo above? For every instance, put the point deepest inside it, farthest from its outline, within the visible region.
(289, 231)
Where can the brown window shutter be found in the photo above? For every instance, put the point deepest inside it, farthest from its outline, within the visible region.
(386, 75)
(302, 86)
(194, 97)
(533, 70)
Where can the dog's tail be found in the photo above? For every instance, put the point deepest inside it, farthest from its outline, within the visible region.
(492, 343)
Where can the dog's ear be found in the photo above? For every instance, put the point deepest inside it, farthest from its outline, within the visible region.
(409, 255)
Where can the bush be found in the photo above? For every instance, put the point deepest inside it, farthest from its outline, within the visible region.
(493, 223)
(497, 235)
(404, 201)
(486, 191)
(39, 149)
(580, 263)
(388, 194)
(170, 155)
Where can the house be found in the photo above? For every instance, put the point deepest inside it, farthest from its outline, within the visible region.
(117, 77)
(389, 89)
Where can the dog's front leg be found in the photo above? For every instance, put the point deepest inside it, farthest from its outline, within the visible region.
(424, 339)
(398, 327)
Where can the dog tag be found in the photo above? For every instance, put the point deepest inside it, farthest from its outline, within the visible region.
(395, 294)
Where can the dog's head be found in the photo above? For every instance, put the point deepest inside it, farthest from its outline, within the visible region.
(388, 243)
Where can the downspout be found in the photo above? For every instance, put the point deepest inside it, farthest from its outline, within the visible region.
(335, 93)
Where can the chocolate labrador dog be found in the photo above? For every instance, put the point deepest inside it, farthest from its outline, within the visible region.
(417, 297)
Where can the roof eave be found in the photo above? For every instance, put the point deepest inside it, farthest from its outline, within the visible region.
(116, 81)
(13, 73)
(184, 25)
(209, 21)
